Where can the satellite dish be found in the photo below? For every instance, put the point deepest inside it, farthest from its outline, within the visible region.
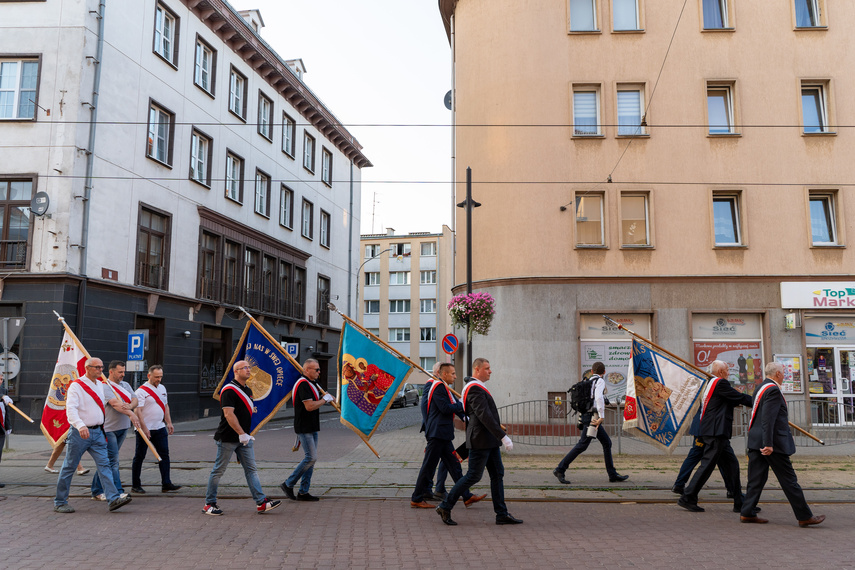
(447, 101)
(40, 203)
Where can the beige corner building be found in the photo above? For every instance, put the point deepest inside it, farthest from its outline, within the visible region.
(405, 284)
(686, 170)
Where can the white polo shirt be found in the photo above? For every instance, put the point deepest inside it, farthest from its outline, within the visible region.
(80, 409)
(151, 413)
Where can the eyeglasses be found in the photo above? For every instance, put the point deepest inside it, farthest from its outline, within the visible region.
(94, 367)
(245, 368)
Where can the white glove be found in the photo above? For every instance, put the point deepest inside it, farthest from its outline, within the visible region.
(245, 438)
(506, 441)
(328, 398)
(7, 400)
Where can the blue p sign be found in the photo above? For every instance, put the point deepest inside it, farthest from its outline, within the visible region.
(136, 346)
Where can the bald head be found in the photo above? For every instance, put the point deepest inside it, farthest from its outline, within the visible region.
(719, 368)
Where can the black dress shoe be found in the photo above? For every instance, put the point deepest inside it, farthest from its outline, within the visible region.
(2, 485)
(138, 490)
(729, 495)
(560, 476)
(168, 488)
(618, 478)
(677, 489)
(507, 519)
(289, 491)
(306, 497)
(445, 515)
(440, 496)
(690, 506)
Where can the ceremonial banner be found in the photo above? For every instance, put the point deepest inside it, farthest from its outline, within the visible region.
(661, 397)
(369, 378)
(274, 373)
(70, 365)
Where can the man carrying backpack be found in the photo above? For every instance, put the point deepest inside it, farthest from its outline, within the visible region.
(596, 404)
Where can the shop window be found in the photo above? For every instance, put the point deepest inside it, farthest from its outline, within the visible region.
(216, 354)
(733, 338)
(599, 341)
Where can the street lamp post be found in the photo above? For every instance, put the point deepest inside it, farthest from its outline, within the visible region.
(358, 269)
(469, 203)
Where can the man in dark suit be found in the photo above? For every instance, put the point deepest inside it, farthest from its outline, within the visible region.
(484, 437)
(770, 444)
(719, 399)
(438, 409)
(694, 457)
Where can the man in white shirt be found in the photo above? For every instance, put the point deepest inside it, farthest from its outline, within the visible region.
(156, 423)
(84, 408)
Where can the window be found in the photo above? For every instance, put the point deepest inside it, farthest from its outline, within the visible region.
(152, 248)
(583, 16)
(326, 167)
(234, 177)
(166, 34)
(289, 128)
(715, 14)
(15, 197)
(630, 109)
(200, 158)
(325, 229)
(285, 288)
(251, 278)
(265, 116)
(262, 193)
(397, 249)
(823, 226)
(634, 215)
(726, 219)
(720, 109)
(399, 278)
(372, 278)
(375, 332)
(308, 152)
(399, 335)
(428, 249)
(299, 307)
(808, 14)
(814, 109)
(161, 130)
(205, 66)
(269, 279)
(308, 222)
(586, 112)
(216, 351)
(286, 207)
(427, 334)
(589, 221)
(427, 306)
(209, 255)
(625, 13)
(427, 277)
(19, 80)
(372, 307)
(427, 362)
(323, 316)
(231, 273)
(237, 93)
(399, 306)
(372, 250)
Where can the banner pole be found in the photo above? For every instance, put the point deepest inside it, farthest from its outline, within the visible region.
(26, 417)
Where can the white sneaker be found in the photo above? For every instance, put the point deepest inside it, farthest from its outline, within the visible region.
(212, 510)
(267, 506)
(101, 497)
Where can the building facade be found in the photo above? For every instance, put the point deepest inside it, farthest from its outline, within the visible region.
(684, 172)
(189, 171)
(404, 287)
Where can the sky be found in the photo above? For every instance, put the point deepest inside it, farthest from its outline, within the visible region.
(385, 63)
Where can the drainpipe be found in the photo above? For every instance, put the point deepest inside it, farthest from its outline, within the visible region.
(90, 154)
(350, 247)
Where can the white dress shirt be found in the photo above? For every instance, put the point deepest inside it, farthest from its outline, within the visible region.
(80, 409)
(151, 413)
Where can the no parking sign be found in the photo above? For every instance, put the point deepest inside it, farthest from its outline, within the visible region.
(450, 344)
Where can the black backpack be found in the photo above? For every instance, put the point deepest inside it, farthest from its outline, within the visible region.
(581, 400)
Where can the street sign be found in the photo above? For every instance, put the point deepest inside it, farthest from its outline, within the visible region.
(449, 344)
(292, 348)
(14, 365)
(137, 344)
(11, 328)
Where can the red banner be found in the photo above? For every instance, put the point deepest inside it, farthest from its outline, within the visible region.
(69, 367)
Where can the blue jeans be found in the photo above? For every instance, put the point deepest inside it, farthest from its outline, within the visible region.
(115, 439)
(246, 456)
(583, 444)
(75, 447)
(478, 460)
(305, 468)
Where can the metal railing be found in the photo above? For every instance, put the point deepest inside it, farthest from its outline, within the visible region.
(549, 423)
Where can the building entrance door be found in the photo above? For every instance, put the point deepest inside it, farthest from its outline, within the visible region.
(831, 384)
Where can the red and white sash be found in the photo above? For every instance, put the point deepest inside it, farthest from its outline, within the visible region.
(472, 383)
(2, 416)
(433, 387)
(763, 389)
(91, 393)
(120, 391)
(246, 399)
(155, 397)
(708, 394)
(311, 385)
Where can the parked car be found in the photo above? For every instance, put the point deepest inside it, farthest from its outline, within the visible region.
(409, 394)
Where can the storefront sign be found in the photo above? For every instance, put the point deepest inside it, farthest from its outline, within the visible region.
(735, 338)
(594, 327)
(818, 295)
(726, 326)
(824, 331)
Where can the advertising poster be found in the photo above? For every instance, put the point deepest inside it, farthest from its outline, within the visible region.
(744, 361)
(615, 355)
(792, 383)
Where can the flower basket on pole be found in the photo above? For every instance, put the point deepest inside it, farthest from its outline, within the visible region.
(474, 311)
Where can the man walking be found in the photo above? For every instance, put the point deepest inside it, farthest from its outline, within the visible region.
(307, 399)
(484, 437)
(770, 444)
(116, 425)
(156, 424)
(598, 395)
(84, 408)
(232, 436)
(719, 399)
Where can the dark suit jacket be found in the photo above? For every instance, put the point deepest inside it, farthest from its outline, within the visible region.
(484, 430)
(770, 427)
(718, 417)
(439, 412)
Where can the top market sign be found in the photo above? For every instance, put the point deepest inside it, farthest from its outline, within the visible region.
(818, 295)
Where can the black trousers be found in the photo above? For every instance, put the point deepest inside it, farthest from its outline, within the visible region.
(160, 441)
(436, 450)
(758, 473)
(715, 455)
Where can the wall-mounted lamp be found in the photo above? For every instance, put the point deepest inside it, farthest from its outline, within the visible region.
(186, 334)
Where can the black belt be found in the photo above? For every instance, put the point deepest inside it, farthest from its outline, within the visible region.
(99, 426)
